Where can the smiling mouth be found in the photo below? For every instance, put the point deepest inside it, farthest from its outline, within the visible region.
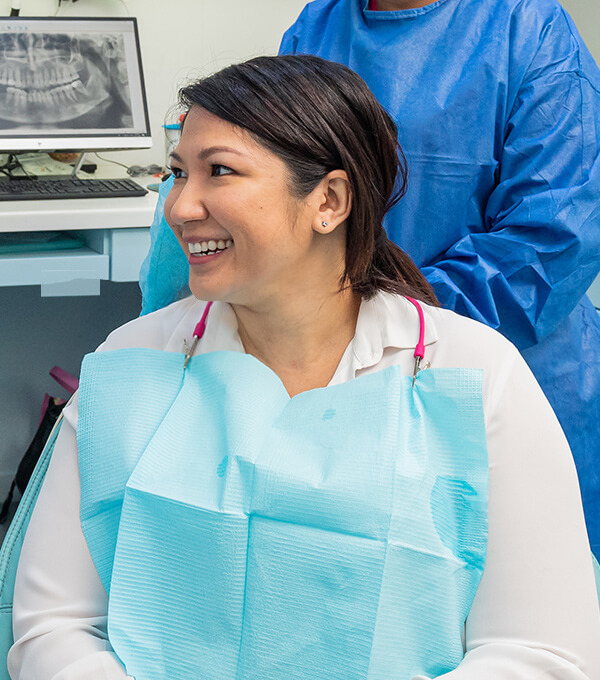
(203, 248)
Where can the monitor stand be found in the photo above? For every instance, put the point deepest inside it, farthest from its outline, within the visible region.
(78, 165)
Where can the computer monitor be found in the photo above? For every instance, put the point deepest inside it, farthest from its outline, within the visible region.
(71, 83)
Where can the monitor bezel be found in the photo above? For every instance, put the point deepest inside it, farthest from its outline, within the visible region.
(87, 142)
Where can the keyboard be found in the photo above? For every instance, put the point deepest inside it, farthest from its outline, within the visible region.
(67, 187)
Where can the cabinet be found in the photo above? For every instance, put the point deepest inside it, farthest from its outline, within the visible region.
(39, 331)
(115, 233)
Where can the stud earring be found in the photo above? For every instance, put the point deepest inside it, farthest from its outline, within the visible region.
(324, 224)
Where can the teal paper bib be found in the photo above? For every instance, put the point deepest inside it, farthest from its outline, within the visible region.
(245, 535)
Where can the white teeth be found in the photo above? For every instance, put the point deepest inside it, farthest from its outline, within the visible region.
(209, 247)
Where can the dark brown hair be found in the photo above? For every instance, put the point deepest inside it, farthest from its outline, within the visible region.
(319, 116)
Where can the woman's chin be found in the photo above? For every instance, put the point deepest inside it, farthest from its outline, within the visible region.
(210, 290)
(206, 293)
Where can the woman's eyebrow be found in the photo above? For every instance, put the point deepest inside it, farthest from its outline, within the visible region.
(205, 153)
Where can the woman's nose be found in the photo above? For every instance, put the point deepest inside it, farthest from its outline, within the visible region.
(188, 206)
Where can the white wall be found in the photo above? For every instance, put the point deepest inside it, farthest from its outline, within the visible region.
(586, 15)
(182, 39)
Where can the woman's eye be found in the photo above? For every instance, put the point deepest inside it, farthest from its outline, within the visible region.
(220, 170)
(177, 172)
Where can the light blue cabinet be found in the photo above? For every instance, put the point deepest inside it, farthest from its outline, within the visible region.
(115, 233)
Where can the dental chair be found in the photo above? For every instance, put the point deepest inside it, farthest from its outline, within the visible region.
(11, 549)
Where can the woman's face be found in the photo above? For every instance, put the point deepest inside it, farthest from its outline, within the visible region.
(248, 240)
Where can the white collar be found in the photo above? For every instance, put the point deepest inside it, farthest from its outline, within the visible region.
(388, 321)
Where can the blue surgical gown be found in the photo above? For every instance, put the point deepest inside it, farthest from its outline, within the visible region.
(498, 108)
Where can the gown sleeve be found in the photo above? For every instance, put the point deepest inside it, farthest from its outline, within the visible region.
(60, 605)
(541, 248)
(536, 613)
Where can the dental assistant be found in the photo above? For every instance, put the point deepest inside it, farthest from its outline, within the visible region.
(498, 108)
(284, 496)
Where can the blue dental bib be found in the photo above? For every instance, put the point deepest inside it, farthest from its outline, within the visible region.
(245, 535)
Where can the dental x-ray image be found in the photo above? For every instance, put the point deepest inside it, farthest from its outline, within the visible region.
(62, 81)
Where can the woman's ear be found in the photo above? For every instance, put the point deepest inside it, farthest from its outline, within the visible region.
(333, 199)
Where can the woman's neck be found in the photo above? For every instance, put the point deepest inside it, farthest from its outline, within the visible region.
(303, 339)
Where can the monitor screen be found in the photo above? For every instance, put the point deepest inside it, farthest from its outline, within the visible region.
(68, 83)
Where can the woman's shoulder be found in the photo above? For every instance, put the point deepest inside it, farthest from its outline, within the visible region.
(457, 335)
(463, 332)
(451, 340)
(465, 342)
(157, 329)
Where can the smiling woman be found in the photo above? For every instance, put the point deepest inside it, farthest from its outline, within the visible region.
(348, 148)
(238, 193)
(336, 479)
